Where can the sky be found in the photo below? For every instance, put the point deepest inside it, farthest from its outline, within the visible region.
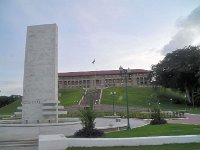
(128, 33)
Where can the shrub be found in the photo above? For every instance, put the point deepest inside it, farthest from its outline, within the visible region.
(173, 96)
(156, 117)
(87, 118)
(88, 132)
(158, 121)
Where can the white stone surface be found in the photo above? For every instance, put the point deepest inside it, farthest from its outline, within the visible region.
(52, 142)
(108, 142)
(69, 126)
(40, 84)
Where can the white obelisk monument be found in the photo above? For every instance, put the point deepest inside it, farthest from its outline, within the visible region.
(40, 85)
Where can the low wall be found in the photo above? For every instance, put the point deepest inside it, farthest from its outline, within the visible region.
(53, 142)
(59, 142)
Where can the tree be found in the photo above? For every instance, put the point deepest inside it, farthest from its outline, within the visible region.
(180, 70)
(5, 100)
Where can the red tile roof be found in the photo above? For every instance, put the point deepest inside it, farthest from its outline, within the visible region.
(102, 72)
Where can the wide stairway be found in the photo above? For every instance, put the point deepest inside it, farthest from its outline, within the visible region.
(19, 144)
(91, 97)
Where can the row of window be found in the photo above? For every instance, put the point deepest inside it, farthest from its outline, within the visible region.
(102, 76)
(83, 82)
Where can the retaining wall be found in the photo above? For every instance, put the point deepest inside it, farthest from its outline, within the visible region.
(59, 142)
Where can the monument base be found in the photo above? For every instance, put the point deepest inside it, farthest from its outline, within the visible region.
(49, 114)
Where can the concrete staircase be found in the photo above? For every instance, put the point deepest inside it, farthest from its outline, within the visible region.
(18, 143)
(91, 96)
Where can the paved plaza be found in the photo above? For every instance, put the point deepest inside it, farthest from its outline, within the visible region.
(18, 133)
(32, 132)
(190, 119)
(24, 133)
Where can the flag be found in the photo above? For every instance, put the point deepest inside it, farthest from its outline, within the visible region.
(93, 61)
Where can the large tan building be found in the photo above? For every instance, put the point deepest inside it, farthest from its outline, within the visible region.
(102, 79)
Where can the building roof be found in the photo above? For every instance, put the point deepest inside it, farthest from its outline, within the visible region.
(102, 72)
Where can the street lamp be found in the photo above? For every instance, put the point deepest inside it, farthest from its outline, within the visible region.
(113, 96)
(126, 74)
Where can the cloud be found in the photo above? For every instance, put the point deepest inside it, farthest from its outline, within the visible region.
(112, 50)
(10, 88)
(188, 33)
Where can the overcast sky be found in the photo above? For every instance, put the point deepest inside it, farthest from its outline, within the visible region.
(131, 33)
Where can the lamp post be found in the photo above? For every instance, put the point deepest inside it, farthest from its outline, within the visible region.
(113, 97)
(126, 73)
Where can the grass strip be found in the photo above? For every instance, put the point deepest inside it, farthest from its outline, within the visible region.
(190, 146)
(157, 130)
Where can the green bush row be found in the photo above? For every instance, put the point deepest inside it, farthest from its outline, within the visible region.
(147, 115)
(139, 115)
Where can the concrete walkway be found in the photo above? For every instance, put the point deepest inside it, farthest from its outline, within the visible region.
(22, 132)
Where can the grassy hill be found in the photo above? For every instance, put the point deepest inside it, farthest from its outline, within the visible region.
(70, 96)
(145, 97)
(11, 108)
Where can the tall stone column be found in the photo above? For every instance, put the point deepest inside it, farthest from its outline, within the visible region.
(40, 85)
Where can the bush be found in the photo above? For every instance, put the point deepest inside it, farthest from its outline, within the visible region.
(172, 96)
(158, 121)
(87, 118)
(156, 117)
(88, 132)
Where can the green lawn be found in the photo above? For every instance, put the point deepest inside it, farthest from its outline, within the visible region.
(137, 96)
(191, 146)
(10, 109)
(70, 96)
(157, 130)
(195, 110)
(146, 97)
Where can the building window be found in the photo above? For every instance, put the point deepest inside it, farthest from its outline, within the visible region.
(130, 77)
(84, 81)
(141, 80)
(145, 80)
(138, 80)
(97, 82)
